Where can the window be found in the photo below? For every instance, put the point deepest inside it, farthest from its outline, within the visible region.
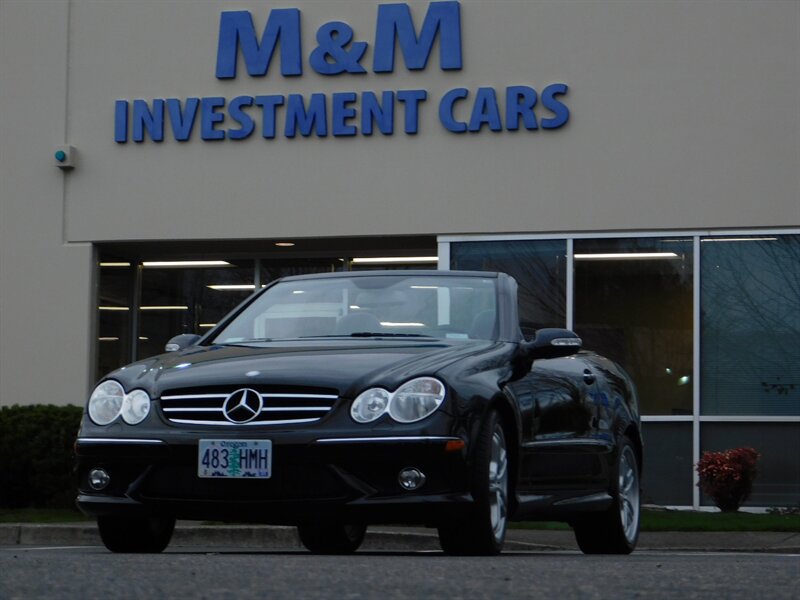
(114, 302)
(188, 299)
(778, 479)
(633, 304)
(750, 298)
(539, 266)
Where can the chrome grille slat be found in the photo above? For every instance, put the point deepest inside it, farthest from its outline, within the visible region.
(195, 406)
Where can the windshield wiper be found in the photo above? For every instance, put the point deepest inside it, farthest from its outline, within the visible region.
(378, 334)
(244, 342)
(366, 334)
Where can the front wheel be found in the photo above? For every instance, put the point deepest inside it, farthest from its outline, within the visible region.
(616, 530)
(331, 538)
(485, 530)
(136, 534)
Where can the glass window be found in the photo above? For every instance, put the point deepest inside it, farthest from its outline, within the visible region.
(633, 304)
(668, 462)
(114, 301)
(188, 299)
(750, 298)
(275, 269)
(778, 479)
(539, 266)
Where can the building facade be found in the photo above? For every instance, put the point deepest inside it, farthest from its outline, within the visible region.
(633, 164)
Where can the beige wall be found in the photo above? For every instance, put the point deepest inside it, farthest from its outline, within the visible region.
(684, 115)
(45, 283)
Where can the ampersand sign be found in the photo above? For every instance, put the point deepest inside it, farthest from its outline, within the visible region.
(331, 57)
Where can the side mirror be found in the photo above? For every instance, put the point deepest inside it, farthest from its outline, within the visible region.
(179, 342)
(553, 343)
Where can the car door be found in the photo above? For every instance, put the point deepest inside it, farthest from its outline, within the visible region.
(560, 401)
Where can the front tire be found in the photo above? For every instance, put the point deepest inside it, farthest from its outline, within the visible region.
(136, 534)
(616, 530)
(331, 538)
(484, 532)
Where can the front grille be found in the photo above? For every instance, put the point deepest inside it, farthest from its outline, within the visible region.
(280, 406)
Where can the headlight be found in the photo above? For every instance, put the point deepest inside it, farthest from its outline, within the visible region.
(413, 401)
(109, 400)
(105, 403)
(370, 405)
(135, 407)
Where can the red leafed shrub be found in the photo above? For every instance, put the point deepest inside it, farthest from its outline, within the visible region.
(727, 477)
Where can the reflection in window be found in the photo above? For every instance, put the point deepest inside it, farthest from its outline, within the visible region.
(778, 479)
(276, 268)
(750, 358)
(633, 304)
(539, 266)
(188, 299)
(667, 477)
(114, 302)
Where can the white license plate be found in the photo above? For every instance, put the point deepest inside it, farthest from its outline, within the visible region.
(235, 459)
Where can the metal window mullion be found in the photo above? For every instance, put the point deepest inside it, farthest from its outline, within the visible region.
(136, 302)
(444, 255)
(570, 295)
(696, 372)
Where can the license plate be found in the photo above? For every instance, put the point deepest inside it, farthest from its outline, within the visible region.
(235, 459)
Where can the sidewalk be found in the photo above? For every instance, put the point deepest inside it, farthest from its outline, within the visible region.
(396, 538)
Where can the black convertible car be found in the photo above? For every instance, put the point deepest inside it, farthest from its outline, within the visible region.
(335, 401)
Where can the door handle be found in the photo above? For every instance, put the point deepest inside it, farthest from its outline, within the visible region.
(588, 377)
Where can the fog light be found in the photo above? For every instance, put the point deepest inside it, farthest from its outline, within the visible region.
(99, 479)
(411, 479)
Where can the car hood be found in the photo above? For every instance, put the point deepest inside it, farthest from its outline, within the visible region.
(345, 365)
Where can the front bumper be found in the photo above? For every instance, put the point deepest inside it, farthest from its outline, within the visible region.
(345, 478)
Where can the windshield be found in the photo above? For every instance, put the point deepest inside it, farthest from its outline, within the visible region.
(379, 306)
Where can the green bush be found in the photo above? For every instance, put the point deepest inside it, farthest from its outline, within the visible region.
(36, 456)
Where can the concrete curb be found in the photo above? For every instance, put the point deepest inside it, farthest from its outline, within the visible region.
(266, 537)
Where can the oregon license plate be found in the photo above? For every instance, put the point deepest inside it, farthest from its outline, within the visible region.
(235, 459)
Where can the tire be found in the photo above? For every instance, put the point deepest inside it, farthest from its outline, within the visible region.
(331, 538)
(616, 530)
(484, 532)
(136, 534)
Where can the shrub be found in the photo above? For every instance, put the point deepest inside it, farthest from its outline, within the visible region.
(36, 456)
(727, 477)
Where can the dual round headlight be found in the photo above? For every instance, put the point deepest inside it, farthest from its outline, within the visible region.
(411, 402)
(109, 401)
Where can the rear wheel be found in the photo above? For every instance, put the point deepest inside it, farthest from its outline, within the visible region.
(484, 532)
(616, 530)
(136, 534)
(331, 538)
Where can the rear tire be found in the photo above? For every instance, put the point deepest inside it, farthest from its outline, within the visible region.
(331, 538)
(616, 530)
(484, 531)
(136, 534)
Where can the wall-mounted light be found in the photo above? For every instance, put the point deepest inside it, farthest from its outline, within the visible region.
(115, 264)
(284, 244)
(66, 157)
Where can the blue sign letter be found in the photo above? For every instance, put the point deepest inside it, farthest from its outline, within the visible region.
(236, 30)
(394, 22)
(558, 108)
